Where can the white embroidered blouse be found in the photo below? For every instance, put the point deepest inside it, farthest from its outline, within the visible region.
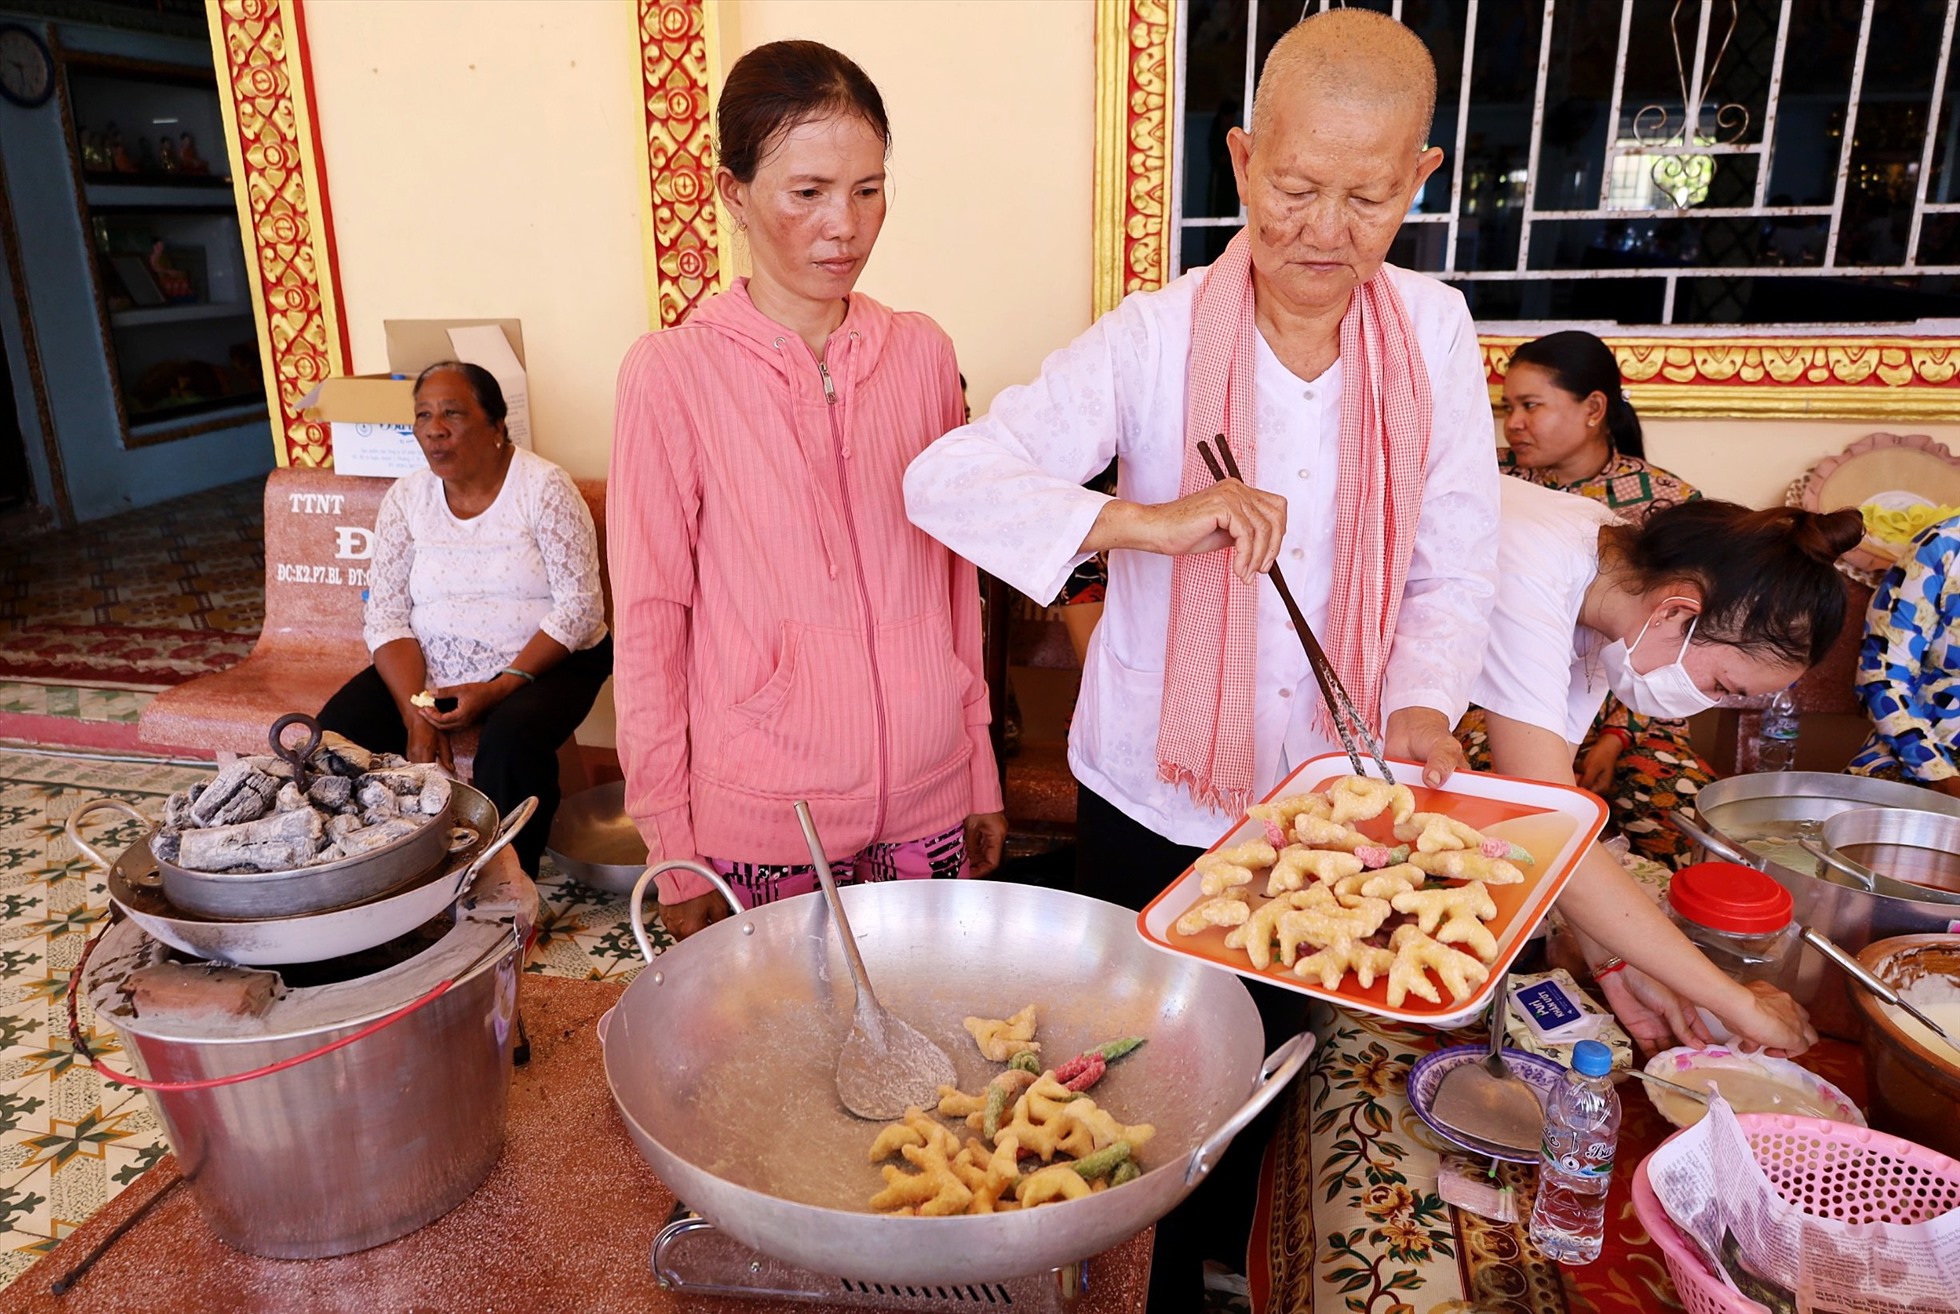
(1006, 493)
(473, 592)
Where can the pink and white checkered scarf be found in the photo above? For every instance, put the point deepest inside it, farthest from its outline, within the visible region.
(1205, 742)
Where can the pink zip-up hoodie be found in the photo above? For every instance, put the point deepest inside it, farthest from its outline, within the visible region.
(783, 632)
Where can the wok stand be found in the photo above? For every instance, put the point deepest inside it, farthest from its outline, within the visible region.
(694, 1257)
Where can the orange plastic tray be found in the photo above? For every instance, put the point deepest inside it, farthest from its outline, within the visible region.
(1554, 823)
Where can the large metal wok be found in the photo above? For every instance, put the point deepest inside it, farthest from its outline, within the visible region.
(722, 1057)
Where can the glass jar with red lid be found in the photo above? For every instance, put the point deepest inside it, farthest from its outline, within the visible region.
(1739, 917)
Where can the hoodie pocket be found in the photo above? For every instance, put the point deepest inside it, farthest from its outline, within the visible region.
(810, 730)
(926, 687)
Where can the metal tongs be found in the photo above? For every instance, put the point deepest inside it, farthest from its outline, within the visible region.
(1347, 721)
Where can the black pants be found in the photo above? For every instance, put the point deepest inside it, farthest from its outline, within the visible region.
(517, 753)
(1126, 863)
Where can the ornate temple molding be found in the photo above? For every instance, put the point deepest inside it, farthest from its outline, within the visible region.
(1135, 44)
(1739, 374)
(271, 135)
(685, 252)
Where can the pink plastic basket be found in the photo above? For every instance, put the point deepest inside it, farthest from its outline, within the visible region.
(1828, 1169)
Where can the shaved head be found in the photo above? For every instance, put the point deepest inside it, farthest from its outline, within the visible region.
(1355, 55)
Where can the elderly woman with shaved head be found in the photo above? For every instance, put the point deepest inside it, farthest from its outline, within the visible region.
(1353, 394)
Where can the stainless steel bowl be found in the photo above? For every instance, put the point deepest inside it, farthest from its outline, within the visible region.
(595, 843)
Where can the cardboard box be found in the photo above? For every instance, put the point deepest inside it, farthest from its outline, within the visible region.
(371, 417)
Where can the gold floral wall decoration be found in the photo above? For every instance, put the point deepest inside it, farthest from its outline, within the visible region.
(684, 255)
(271, 137)
(1134, 44)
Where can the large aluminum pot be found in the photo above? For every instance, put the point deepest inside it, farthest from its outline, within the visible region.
(1906, 853)
(358, 1146)
(1764, 821)
(722, 1057)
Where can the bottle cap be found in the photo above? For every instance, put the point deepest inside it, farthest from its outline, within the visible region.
(1726, 896)
(1591, 1059)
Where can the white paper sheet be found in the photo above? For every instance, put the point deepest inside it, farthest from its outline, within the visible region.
(486, 345)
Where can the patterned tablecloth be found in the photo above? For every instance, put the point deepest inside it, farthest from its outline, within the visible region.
(1350, 1220)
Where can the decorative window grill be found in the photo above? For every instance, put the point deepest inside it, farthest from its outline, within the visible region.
(1687, 162)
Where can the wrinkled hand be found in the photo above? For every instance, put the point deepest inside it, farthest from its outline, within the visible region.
(1597, 768)
(1774, 1021)
(690, 915)
(1655, 1016)
(1228, 514)
(1422, 734)
(427, 744)
(986, 839)
(473, 703)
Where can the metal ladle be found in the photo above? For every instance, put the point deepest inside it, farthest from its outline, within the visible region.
(1489, 1101)
(887, 1064)
(1858, 972)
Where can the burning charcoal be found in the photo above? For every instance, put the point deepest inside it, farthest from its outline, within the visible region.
(164, 845)
(289, 798)
(196, 791)
(267, 765)
(280, 842)
(331, 792)
(378, 799)
(341, 826)
(240, 793)
(369, 838)
(435, 794)
(401, 780)
(341, 756)
(388, 762)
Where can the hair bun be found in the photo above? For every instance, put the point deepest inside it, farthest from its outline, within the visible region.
(1826, 536)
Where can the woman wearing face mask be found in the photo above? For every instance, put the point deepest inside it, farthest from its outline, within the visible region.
(784, 632)
(1568, 426)
(1702, 601)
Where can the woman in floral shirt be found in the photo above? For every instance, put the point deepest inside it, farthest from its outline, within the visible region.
(1909, 667)
(1570, 427)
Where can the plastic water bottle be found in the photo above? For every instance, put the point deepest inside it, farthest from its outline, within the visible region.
(1575, 1163)
(1776, 739)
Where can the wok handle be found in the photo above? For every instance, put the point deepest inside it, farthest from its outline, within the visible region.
(1712, 842)
(74, 822)
(635, 902)
(506, 832)
(1857, 871)
(1280, 1067)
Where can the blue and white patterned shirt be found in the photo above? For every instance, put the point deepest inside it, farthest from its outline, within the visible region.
(1909, 663)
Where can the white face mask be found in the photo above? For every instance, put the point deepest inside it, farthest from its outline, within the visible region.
(1667, 691)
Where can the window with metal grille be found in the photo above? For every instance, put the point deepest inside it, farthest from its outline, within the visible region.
(1643, 161)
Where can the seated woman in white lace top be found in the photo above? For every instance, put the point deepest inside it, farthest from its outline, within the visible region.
(484, 606)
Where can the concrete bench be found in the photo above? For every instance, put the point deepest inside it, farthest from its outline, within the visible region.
(319, 530)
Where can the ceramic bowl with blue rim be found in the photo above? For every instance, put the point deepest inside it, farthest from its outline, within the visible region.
(1426, 1078)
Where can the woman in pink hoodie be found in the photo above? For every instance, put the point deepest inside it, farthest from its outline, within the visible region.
(782, 631)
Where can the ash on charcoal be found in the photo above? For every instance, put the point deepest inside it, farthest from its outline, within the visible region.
(276, 843)
(330, 792)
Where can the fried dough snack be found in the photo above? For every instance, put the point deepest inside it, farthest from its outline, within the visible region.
(1221, 911)
(1320, 833)
(1331, 964)
(1002, 1040)
(934, 1190)
(1323, 926)
(1464, 865)
(1255, 934)
(1055, 1182)
(1416, 955)
(1432, 832)
(1295, 864)
(1383, 884)
(1363, 798)
(1281, 815)
(1454, 915)
(1217, 878)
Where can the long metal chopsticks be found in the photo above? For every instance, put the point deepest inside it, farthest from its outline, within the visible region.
(1339, 706)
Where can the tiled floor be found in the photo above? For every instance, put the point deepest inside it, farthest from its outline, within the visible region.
(119, 706)
(68, 1140)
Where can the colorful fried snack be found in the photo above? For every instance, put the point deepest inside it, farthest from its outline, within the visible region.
(1363, 798)
(1255, 935)
(1280, 816)
(1321, 833)
(1056, 1182)
(1383, 884)
(1321, 926)
(1416, 955)
(1295, 864)
(1000, 1040)
(1432, 832)
(1103, 1128)
(1465, 865)
(1221, 911)
(935, 1190)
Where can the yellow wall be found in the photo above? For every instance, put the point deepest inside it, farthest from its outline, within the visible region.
(1753, 461)
(992, 106)
(480, 161)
